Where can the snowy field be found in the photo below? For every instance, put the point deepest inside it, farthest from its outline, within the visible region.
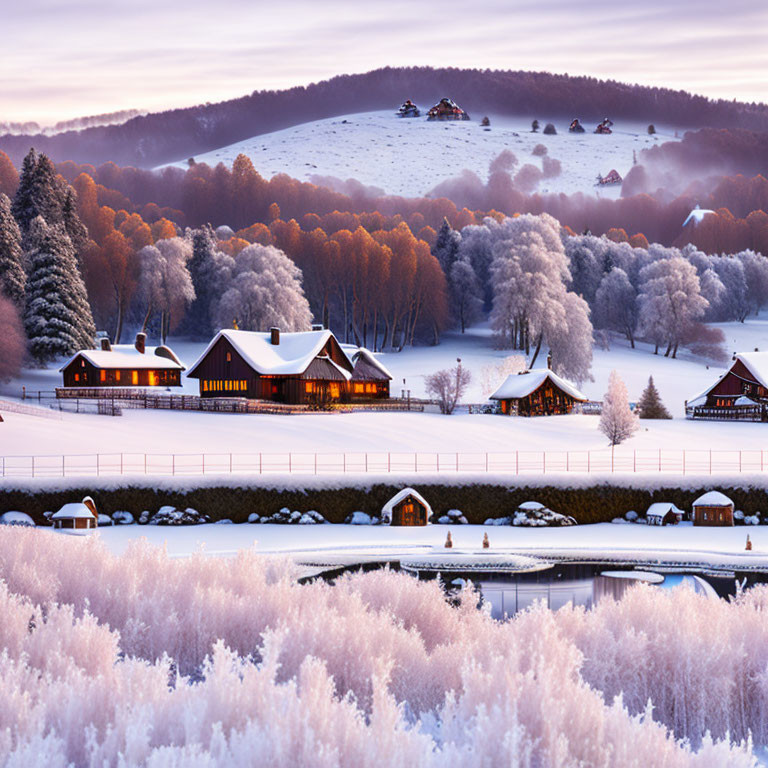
(351, 544)
(191, 432)
(410, 157)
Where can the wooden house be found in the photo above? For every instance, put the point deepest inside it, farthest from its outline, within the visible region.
(713, 508)
(664, 513)
(123, 365)
(370, 378)
(739, 392)
(408, 507)
(539, 392)
(302, 367)
(77, 517)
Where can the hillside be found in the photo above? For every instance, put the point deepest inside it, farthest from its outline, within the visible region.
(410, 157)
(166, 137)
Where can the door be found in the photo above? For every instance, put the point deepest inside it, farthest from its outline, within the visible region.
(410, 513)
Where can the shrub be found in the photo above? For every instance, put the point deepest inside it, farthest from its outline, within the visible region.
(549, 129)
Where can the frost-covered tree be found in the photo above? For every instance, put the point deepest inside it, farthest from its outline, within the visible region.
(531, 305)
(202, 266)
(587, 256)
(164, 281)
(650, 406)
(756, 278)
(448, 386)
(670, 302)
(57, 317)
(617, 422)
(466, 294)
(40, 192)
(734, 305)
(476, 247)
(12, 277)
(616, 304)
(12, 340)
(265, 290)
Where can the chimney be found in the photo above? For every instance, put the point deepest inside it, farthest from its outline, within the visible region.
(141, 340)
(318, 327)
(549, 361)
(105, 345)
(274, 336)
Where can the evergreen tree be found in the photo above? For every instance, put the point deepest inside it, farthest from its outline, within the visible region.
(40, 192)
(202, 265)
(77, 231)
(12, 277)
(650, 405)
(446, 246)
(57, 317)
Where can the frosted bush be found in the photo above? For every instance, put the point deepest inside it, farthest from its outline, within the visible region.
(16, 518)
(122, 518)
(631, 515)
(141, 660)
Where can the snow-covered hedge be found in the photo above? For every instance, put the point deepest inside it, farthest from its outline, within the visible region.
(16, 518)
(533, 514)
(451, 517)
(284, 516)
(378, 669)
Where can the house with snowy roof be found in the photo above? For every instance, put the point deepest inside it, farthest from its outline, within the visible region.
(538, 392)
(408, 508)
(76, 517)
(300, 367)
(713, 508)
(123, 365)
(664, 513)
(741, 392)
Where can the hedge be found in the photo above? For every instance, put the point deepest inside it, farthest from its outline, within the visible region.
(596, 503)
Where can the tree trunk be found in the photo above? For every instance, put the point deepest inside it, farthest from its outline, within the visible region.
(538, 349)
(146, 318)
(119, 328)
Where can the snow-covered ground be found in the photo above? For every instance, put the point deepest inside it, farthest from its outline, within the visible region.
(191, 432)
(349, 544)
(410, 157)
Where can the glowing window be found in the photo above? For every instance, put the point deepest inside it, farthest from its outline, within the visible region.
(229, 357)
(103, 375)
(134, 378)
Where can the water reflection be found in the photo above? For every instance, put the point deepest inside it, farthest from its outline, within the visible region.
(583, 585)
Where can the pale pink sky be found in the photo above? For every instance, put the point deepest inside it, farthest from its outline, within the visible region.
(68, 58)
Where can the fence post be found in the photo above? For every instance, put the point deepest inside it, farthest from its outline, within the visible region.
(543, 462)
(98, 464)
(486, 462)
(710, 460)
(659, 459)
(634, 461)
(173, 463)
(203, 463)
(517, 462)
(344, 462)
(145, 463)
(63, 472)
(230, 463)
(315, 463)
(261, 469)
(33, 466)
(684, 452)
(290, 463)
(457, 461)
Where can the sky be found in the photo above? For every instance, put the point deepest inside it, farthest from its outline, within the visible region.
(69, 58)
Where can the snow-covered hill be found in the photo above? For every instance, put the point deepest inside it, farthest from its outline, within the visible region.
(410, 157)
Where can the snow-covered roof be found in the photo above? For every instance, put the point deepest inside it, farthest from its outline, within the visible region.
(518, 385)
(73, 509)
(661, 508)
(126, 356)
(713, 499)
(290, 357)
(744, 400)
(368, 356)
(755, 362)
(386, 510)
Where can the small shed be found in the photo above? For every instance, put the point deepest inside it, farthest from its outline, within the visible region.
(664, 513)
(408, 507)
(77, 517)
(713, 508)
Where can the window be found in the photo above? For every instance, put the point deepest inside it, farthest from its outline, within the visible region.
(370, 388)
(335, 391)
(77, 377)
(117, 375)
(229, 357)
(205, 385)
(153, 378)
(134, 378)
(103, 375)
(359, 388)
(82, 363)
(309, 387)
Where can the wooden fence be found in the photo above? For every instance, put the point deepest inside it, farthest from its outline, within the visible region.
(677, 462)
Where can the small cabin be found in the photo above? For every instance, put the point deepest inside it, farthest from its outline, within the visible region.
(123, 365)
(77, 517)
(664, 513)
(406, 508)
(740, 393)
(713, 508)
(539, 392)
(370, 378)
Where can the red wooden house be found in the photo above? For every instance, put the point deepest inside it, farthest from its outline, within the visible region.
(123, 365)
(302, 367)
(539, 392)
(743, 387)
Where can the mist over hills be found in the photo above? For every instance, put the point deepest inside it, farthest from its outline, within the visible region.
(157, 138)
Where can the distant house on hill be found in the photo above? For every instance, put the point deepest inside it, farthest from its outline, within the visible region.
(741, 392)
(301, 367)
(123, 365)
(539, 392)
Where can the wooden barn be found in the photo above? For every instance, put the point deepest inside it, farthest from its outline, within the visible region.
(741, 392)
(713, 508)
(302, 367)
(123, 365)
(406, 508)
(539, 392)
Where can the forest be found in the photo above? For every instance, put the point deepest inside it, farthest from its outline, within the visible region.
(78, 254)
(150, 140)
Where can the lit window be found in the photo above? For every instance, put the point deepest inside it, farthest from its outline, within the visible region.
(153, 378)
(205, 385)
(77, 377)
(308, 387)
(103, 375)
(134, 378)
(229, 357)
(359, 388)
(117, 375)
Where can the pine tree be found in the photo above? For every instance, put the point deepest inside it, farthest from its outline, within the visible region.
(446, 246)
(77, 231)
(617, 421)
(57, 317)
(201, 267)
(40, 192)
(650, 405)
(12, 277)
